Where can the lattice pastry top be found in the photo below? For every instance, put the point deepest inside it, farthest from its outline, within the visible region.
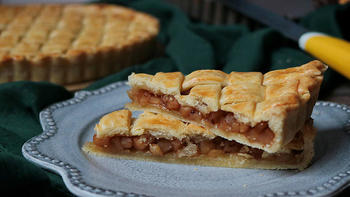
(34, 30)
(160, 126)
(283, 99)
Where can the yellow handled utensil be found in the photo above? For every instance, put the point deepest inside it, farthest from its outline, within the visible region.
(332, 51)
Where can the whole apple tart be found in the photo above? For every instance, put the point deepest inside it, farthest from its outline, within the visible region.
(70, 43)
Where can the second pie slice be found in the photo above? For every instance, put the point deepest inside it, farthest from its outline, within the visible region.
(264, 111)
(157, 137)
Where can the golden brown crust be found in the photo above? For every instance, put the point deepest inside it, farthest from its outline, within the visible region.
(204, 97)
(282, 98)
(114, 123)
(66, 43)
(161, 126)
(204, 77)
(168, 83)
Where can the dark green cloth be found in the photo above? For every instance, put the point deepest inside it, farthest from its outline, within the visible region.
(188, 46)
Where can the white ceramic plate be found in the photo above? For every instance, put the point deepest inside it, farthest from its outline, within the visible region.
(69, 124)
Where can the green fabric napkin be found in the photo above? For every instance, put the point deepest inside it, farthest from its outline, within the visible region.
(188, 46)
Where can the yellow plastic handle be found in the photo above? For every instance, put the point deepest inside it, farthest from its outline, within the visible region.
(332, 51)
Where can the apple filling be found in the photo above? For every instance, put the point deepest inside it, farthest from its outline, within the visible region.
(181, 148)
(223, 120)
(193, 147)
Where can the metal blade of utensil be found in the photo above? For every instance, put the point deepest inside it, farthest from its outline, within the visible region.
(275, 21)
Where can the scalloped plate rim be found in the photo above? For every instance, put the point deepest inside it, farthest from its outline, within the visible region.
(80, 97)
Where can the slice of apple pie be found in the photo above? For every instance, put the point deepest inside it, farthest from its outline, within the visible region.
(263, 111)
(158, 137)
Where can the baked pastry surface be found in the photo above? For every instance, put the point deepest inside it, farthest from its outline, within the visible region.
(157, 137)
(264, 111)
(68, 43)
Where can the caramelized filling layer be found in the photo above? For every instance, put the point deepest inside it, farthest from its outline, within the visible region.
(225, 121)
(184, 148)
